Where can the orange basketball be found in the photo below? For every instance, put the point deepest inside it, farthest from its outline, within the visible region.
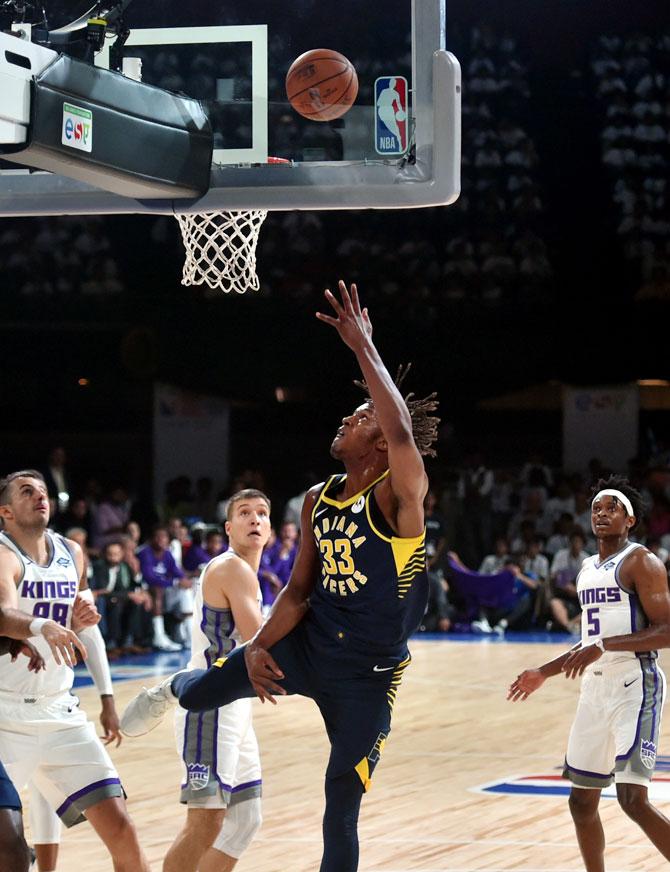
(321, 84)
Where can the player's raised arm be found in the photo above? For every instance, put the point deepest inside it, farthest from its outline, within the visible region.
(408, 478)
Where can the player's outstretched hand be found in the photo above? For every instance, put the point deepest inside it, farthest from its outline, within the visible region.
(352, 323)
(525, 684)
(580, 659)
(63, 643)
(22, 646)
(84, 614)
(263, 671)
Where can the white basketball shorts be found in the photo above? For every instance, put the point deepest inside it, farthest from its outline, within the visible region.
(51, 742)
(220, 755)
(614, 735)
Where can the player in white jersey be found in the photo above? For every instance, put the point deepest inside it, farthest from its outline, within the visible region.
(44, 737)
(625, 602)
(222, 770)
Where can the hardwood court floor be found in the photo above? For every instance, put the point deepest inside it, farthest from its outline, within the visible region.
(453, 730)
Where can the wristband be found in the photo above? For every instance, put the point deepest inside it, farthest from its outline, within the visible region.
(600, 644)
(36, 626)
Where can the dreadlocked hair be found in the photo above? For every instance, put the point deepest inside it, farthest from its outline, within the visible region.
(424, 425)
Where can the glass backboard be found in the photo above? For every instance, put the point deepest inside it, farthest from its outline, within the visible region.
(398, 145)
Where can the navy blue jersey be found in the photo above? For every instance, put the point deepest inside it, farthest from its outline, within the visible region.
(373, 587)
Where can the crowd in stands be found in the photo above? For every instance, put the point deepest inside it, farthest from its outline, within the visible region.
(59, 257)
(632, 84)
(512, 543)
(504, 546)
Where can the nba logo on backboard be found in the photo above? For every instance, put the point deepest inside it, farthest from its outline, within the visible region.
(391, 115)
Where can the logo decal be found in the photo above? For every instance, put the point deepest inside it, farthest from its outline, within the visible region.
(628, 683)
(358, 506)
(198, 775)
(77, 131)
(382, 668)
(391, 122)
(648, 754)
(377, 748)
(63, 561)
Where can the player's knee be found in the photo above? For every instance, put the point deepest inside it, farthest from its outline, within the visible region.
(583, 805)
(242, 822)
(120, 834)
(633, 800)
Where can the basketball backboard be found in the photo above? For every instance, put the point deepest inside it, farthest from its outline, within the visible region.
(397, 146)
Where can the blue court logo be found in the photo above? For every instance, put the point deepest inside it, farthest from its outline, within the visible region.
(391, 115)
(551, 784)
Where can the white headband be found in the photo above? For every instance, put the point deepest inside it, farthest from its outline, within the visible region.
(623, 499)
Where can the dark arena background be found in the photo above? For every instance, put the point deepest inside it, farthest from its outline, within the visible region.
(552, 266)
(537, 306)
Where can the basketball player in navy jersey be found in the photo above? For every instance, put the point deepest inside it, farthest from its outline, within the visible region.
(623, 591)
(338, 631)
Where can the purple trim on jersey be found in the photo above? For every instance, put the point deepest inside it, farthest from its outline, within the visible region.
(215, 743)
(586, 772)
(186, 726)
(239, 787)
(198, 751)
(639, 717)
(84, 790)
(217, 633)
(632, 604)
(203, 624)
(653, 707)
(66, 545)
(618, 567)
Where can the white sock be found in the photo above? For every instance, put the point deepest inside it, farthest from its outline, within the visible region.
(159, 628)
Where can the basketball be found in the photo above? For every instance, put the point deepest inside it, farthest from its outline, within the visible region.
(321, 84)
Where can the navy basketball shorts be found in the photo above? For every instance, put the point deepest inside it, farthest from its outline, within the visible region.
(355, 695)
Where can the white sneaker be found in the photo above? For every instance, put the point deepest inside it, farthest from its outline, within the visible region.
(482, 626)
(166, 644)
(145, 712)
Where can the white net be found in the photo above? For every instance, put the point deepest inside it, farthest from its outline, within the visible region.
(221, 249)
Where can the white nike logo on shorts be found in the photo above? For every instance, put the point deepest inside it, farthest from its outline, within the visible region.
(382, 668)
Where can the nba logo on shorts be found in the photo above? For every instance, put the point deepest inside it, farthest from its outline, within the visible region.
(198, 775)
(391, 115)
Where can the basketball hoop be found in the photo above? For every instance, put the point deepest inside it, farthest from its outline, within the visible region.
(221, 246)
(221, 249)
